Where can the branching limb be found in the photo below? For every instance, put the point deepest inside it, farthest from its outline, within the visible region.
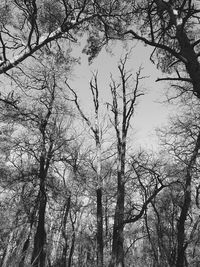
(144, 206)
(30, 46)
(157, 45)
(75, 100)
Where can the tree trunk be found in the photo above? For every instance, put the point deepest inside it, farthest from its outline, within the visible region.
(99, 183)
(71, 249)
(121, 129)
(27, 242)
(182, 244)
(192, 65)
(117, 257)
(99, 198)
(152, 244)
(39, 255)
(99, 228)
(65, 248)
(187, 49)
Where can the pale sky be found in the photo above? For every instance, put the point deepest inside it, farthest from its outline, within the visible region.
(149, 112)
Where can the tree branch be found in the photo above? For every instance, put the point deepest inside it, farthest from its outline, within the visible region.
(158, 45)
(144, 206)
(43, 40)
(79, 109)
(174, 79)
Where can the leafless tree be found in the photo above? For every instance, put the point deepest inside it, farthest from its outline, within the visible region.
(99, 183)
(124, 98)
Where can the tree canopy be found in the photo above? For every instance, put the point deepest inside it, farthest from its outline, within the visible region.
(75, 190)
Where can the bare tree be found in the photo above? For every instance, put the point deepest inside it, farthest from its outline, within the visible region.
(99, 183)
(122, 113)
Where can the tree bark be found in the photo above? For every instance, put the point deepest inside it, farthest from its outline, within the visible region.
(182, 245)
(72, 247)
(65, 248)
(99, 228)
(39, 255)
(117, 257)
(99, 198)
(121, 128)
(181, 239)
(27, 242)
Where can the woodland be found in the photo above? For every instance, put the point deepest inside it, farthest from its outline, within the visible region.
(74, 190)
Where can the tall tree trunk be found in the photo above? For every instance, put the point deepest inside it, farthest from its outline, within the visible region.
(121, 126)
(72, 248)
(27, 242)
(99, 228)
(39, 255)
(152, 244)
(182, 244)
(99, 184)
(117, 257)
(65, 236)
(99, 200)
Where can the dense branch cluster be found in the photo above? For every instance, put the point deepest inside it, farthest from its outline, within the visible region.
(75, 190)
